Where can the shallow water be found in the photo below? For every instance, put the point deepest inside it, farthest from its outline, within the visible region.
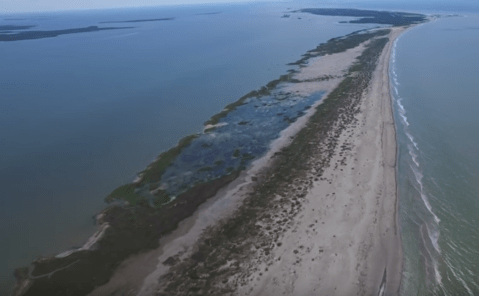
(243, 135)
(434, 83)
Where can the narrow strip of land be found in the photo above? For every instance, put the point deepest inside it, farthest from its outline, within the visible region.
(344, 239)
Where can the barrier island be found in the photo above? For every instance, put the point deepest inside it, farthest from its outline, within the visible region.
(287, 189)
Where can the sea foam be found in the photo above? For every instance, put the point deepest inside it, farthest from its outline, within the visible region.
(431, 220)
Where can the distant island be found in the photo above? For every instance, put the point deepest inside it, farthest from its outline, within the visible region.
(13, 27)
(29, 35)
(370, 16)
(140, 21)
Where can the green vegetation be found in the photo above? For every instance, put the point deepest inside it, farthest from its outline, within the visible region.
(161, 198)
(125, 192)
(156, 169)
(153, 186)
(215, 118)
(150, 176)
(341, 44)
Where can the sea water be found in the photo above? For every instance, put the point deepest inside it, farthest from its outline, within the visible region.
(81, 114)
(434, 82)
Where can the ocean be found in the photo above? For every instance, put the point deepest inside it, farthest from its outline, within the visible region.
(82, 113)
(434, 72)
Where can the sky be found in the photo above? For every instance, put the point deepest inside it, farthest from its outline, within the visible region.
(14, 6)
(18, 6)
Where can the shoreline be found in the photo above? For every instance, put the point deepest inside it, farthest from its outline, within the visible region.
(396, 156)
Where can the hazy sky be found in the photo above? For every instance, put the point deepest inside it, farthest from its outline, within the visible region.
(12, 6)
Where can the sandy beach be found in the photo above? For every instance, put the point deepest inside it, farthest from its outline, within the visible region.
(345, 240)
(338, 236)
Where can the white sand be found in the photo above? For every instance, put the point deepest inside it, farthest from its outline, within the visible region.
(332, 66)
(89, 243)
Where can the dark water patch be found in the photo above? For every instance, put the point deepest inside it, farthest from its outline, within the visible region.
(13, 27)
(241, 136)
(140, 21)
(30, 35)
(370, 16)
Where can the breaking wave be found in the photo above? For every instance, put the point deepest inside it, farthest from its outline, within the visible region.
(428, 226)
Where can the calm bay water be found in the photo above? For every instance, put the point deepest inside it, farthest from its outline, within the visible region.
(81, 114)
(434, 79)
